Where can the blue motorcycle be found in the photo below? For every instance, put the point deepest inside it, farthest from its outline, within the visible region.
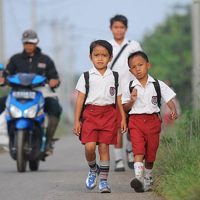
(26, 120)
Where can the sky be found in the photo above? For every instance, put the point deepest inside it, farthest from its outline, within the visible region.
(67, 27)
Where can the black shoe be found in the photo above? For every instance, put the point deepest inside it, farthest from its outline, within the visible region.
(137, 185)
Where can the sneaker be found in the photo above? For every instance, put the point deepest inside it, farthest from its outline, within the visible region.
(137, 185)
(119, 166)
(91, 180)
(148, 182)
(104, 187)
(130, 159)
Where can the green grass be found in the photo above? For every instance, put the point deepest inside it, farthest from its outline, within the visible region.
(177, 168)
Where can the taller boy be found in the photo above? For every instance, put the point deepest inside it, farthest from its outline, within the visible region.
(121, 50)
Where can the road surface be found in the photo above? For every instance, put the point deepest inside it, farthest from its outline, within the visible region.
(62, 177)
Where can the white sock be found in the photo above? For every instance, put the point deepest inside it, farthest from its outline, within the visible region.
(118, 154)
(139, 169)
(147, 173)
(129, 146)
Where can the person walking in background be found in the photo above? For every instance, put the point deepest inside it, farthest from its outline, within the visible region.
(141, 100)
(121, 50)
(99, 120)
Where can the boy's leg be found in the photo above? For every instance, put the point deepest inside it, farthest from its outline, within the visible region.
(118, 153)
(138, 182)
(148, 178)
(129, 152)
(90, 155)
(104, 168)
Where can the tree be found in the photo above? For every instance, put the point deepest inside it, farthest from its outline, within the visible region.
(169, 48)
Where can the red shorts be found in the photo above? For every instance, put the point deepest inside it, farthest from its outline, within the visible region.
(99, 124)
(119, 119)
(145, 134)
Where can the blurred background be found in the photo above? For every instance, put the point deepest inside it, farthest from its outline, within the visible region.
(67, 27)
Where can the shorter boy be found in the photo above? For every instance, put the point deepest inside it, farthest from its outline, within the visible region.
(141, 101)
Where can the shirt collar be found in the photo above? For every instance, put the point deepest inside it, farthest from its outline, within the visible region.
(115, 44)
(149, 80)
(93, 70)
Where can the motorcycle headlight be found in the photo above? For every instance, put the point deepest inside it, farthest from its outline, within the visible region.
(30, 112)
(15, 112)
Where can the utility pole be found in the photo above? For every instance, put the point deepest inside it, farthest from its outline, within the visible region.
(34, 14)
(196, 53)
(2, 47)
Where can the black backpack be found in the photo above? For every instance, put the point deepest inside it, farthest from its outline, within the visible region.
(157, 88)
(86, 77)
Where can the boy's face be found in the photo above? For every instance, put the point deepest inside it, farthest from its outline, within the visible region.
(139, 67)
(118, 30)
(100, 57)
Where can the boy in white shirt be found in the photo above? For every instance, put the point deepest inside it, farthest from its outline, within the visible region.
(121, 50)
(99, 119)
(141, 100)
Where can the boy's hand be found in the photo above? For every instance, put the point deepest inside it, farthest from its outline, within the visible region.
(173, 115)
(77, 128)
(134, 95)
(53, 83)
(123, 126)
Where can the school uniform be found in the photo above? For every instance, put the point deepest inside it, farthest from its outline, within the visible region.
(121, 65)
(99, 117)
(144, 121)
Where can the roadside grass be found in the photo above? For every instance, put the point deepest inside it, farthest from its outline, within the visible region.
(177, 168)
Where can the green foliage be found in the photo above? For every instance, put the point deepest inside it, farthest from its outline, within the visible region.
(170, 51)
(177, 168)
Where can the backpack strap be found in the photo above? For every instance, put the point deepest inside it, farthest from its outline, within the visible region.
(157, 88)
(158, 91)
(116, 77)
(118, 55)
(86, 77)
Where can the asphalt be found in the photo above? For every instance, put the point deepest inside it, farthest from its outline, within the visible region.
(62, 177)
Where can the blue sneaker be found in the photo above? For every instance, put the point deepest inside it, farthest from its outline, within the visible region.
(104, 187)
(91, 180)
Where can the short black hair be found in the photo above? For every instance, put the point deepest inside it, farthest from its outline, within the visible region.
(138, 53)
(102, 43)
(119, 18)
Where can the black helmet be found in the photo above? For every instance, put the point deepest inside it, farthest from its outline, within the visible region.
(30, 36)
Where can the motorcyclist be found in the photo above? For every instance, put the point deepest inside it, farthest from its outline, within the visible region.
(32, 60)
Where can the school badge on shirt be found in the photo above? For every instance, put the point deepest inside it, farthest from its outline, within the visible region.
(112, 91)
(154, 100)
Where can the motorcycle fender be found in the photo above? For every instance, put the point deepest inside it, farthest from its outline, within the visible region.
(23, 124)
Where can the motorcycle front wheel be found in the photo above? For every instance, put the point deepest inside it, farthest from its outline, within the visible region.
(20, 147)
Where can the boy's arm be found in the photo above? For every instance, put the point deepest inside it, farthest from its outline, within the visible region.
(77, 113)
(172, 107)
(121, 110)
(127, 106)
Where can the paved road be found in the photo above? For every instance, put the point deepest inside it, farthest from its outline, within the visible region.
(62, 177)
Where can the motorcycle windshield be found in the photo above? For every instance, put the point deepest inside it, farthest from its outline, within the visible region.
(23, 79)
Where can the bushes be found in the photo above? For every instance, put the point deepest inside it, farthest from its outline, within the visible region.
(177, 169)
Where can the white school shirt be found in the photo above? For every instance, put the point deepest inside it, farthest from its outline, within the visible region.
(121, 65)
(101, 87)
(146, 101)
